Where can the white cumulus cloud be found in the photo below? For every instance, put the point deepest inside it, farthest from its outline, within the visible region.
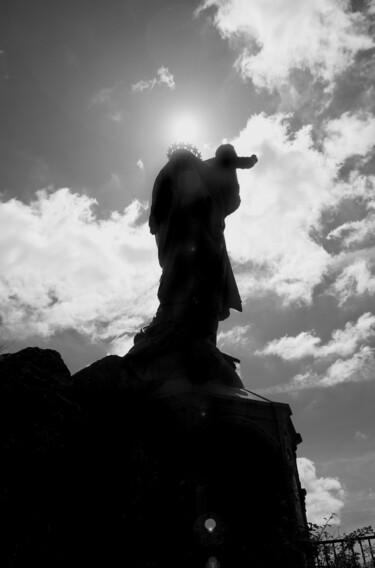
(275, 37)
(354, 233)
(349, 135)
(63, 268)
(235, 337)
(344, 342)
(305, 344)
(325, 495)
(355, 280)
(358, 368)
(355, 362)
(281, 199)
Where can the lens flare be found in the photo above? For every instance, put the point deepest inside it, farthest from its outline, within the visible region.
(210, 524)
(212, 563)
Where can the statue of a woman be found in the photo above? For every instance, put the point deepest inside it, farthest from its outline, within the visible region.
(190, 201)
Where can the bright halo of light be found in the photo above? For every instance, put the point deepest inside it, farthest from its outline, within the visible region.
(184, 127)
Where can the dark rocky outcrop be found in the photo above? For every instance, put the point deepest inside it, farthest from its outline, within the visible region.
(102, 467)
(38, 419)
(35, 401)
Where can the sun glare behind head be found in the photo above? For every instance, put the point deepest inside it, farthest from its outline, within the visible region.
(184, 127)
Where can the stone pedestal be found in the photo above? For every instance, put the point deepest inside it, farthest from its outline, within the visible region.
(234, 456)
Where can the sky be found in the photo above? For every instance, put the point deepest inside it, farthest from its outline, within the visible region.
(91, 95)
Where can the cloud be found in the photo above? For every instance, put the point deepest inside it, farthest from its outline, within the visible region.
(164, 77)
(63, 268)
(282, 198)
(275, 38)
(121, 345)
(325, 495)
(358, 186)
(344, 342)
(236, 337)
(355, 280)
(140, 164)
(355, 233)
(277, 236)
(358, 368)
(114, 183)
(360, 436)
(112, 99)
(103, 96)
(352, 236)
(340, 133)
(303, 345)
(117, 116)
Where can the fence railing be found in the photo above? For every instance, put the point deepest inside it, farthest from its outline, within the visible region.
(356, 552)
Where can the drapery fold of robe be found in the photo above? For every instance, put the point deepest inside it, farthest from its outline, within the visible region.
(190, 201)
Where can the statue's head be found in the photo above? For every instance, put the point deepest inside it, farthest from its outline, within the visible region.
(183, 149)
(225, 151)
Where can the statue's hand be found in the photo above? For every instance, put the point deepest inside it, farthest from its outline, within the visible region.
(246, 163)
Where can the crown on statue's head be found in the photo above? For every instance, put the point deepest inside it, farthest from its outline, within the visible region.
(184, 146)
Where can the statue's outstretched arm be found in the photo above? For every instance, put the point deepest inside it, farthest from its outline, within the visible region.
(225, 163)
(237, 162)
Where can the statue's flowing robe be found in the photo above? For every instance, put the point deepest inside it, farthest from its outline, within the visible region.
(190, 201)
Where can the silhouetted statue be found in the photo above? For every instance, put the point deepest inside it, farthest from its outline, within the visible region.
(190, 201)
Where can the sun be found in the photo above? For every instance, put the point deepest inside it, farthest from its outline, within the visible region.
(184, 127)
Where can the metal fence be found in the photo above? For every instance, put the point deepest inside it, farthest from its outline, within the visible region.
(358, 552)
